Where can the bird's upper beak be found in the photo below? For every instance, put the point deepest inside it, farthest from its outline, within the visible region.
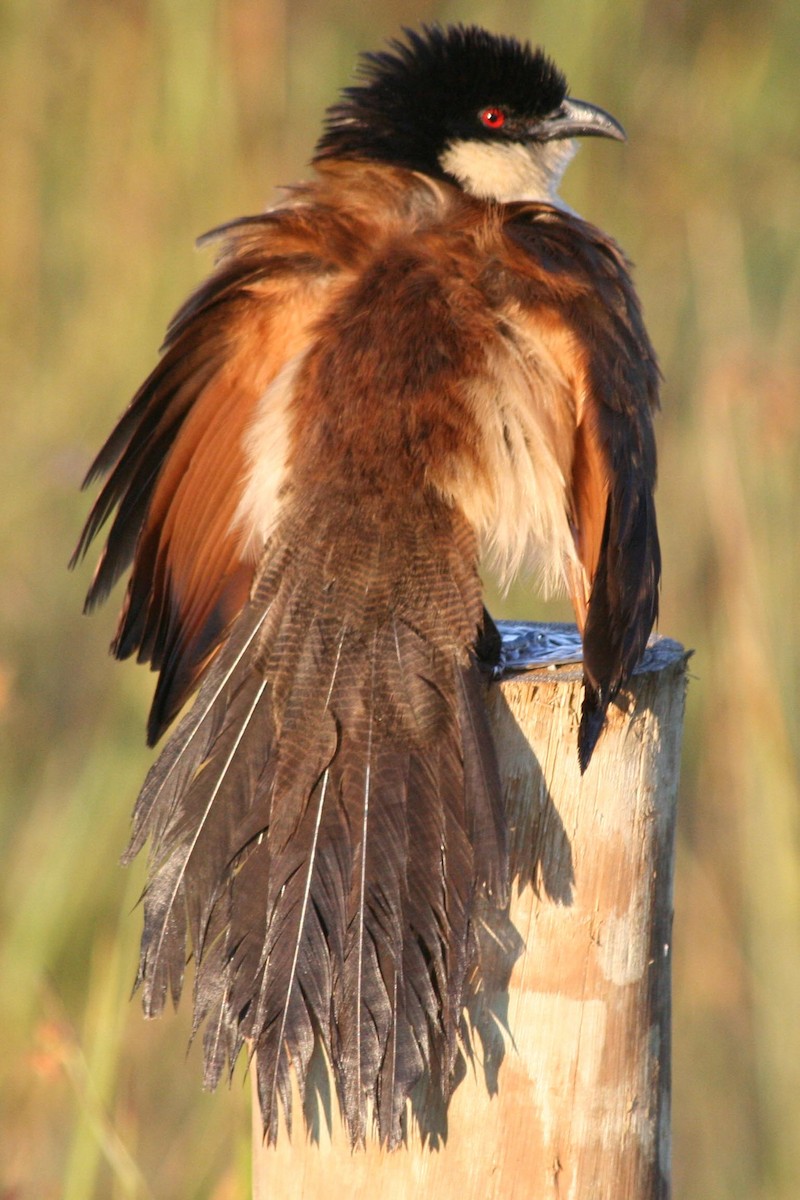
(577, 118)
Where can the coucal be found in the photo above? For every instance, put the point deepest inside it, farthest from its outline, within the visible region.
(419, 361)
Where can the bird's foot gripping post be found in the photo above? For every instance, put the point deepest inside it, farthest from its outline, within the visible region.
(566, 1091)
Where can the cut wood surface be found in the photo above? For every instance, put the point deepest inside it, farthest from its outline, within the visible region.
(566, 1091)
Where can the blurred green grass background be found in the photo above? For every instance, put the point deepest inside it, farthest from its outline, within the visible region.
(128, 128)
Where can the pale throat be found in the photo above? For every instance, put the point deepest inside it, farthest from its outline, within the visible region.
(509, 171)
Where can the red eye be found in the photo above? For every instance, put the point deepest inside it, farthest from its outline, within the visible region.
(493, 118)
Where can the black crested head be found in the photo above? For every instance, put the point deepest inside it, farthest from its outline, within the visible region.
(440, 85)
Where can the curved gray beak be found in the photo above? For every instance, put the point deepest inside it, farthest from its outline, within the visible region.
(577, 118)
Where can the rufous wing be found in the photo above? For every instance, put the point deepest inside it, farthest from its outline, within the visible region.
(179, 461)
(579, 299)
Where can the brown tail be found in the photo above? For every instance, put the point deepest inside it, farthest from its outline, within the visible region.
(322, 818)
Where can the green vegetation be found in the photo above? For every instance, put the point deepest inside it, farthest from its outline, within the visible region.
(129, 128)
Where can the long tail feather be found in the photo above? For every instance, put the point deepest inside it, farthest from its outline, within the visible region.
(323, 818)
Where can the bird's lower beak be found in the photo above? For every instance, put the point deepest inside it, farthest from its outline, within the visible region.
(577, 118)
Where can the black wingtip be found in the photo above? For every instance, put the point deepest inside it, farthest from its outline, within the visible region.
(593, 718)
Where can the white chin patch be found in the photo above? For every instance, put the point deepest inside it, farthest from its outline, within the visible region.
(508, 171)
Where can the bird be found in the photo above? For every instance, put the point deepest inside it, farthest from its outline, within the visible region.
(419, 363)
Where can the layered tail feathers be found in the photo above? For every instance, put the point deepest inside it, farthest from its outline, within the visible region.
(319, 825)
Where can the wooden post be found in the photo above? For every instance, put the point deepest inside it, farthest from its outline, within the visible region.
(566, 1096)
